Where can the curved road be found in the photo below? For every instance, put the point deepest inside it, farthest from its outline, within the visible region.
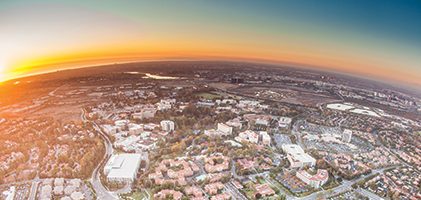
(100, 190)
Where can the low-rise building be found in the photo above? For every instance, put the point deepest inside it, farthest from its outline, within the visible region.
(224, 129)
(249, 136)
(166, 194)
(145, 114)
(264, 190)
(346, 135)
(123, 167)
(316, 180)
(236, 123)
(265, 138)
(284, 122)
(167, 125)
(297, 157)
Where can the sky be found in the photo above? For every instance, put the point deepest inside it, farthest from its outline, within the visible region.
(376, 38)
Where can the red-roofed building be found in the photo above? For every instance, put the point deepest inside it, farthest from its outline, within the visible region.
(264, 190)
(316, 180)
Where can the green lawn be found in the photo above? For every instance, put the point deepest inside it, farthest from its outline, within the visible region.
(135, 195)
(207, 95)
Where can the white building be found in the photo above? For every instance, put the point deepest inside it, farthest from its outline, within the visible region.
(121, 123)
(110, 130)
(226, 101)
(265, 138)
(236, 123)
(10, 194)
(346, 136)
(135, 129)
(123, 167)
(316, 180)
(168, 101)
(212, 133)
(150, 126)
(167, 125)
(249, 136)
(165, 104)
(284, 122)
(224, 129)
(147, 144)
(248, 103)
(297, 157)
(262, 122)
(127, 143)
(145, 114)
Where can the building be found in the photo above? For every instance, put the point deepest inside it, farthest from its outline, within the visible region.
(123, 167)
(147, 144)
(236, 123)
(212, 133)
(346, 136)
(316, 180)
(167, 194)
(248, 103)
(264, 190)
(265, 138)
(262, 122)
(145, 114)
(10, 194)
(297, 157)
(249, 136)
(226, 101)
(135, 129)
(167, 125)
(165, 104)
(284, 122)
(224, 129)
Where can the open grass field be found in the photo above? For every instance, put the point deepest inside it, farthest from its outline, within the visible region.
(208, 96)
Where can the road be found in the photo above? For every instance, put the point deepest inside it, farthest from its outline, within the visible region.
(369, 194)
(149, 195)
(235, 194)
(281, 190)
(100, 190)
(346, 185)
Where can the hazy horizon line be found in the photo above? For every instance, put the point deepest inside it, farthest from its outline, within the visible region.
(80, 65)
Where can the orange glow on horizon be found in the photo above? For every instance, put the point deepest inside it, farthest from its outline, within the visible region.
(96, 34)
(92, 58)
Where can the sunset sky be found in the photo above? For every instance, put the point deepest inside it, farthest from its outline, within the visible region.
(378, 38)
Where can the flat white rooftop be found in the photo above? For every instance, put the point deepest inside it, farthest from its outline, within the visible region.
(297, 153)
(340, 106)
(292, 149)
(123, 166)
(365, 112)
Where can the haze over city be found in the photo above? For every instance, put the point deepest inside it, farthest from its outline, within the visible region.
(210, 100)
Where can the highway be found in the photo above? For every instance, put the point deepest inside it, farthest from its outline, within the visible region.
(100, 190)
